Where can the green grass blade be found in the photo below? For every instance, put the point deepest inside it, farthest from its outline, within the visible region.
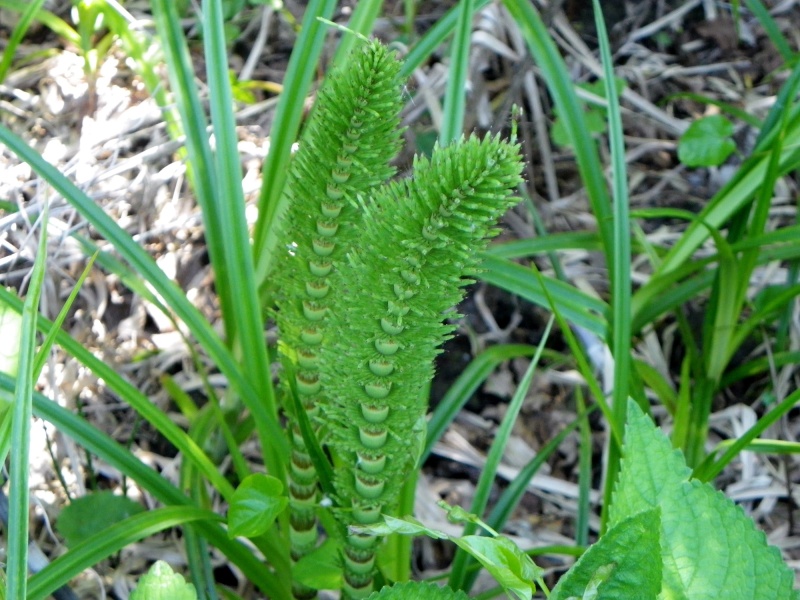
(21, 28)
(138, 401)
(710, 468)
(197, 554)
(19, 500)
(57, 25)
(736, 193)
(584, 474)
(556, 74)
(237, 270)
(578, 240)
(120, 458)
(434, 38)
(764, 446)
(621, 255)
(786, 98)
(773, 31)
(361, 22)
(458, 571)
(283, 134)
(200, 163)
(50, 338)
(577, 307)
(579, 354)
(512, 495)
(467, 383)
(455, 95)
(110, 540)
(143, 264)
(759, 366)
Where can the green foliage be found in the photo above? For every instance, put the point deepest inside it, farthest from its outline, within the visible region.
(376, 269)
(707, 142)
(161, 583)
(669, 537)
(255, 505)
(415, 590)
(93, 513)
(512, 568)
(418, 238)
(624, 563)
(321, 569)
(709, 547)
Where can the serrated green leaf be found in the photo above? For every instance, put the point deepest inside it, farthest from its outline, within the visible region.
(503, 559)
(417, 590)
(624, 563)
(255, 505)
(161, 583)
(92, 513)
(321, 568)
(709, 547)
(707, 142)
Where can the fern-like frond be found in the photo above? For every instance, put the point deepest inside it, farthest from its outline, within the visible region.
(419, 239)
(345, 150)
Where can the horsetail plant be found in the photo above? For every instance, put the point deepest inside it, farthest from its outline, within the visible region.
(352, 135)
(419, 238)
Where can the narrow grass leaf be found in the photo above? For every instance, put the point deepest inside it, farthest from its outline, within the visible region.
(579, 240)
(712, 466)
(20, 29)
(556, 74)
(200, 163)
(362, 22)
(773, 31)
(576, 306)
(22, 413)
(57, 25)
(236, 260)
(137, 400)
(112, 539)
(50, 338)
(621, 256)
(512, 495)
(435, 37)
(455, 95)
(465, 385)
(108, 450)
(458, 571)
(174, 297)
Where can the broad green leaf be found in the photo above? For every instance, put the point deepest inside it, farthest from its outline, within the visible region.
(707, 142)
(255, 505)
(709, 547)
(417, 590)
(161, 583)
(624, 563)
(503, 559)
(90, 514)
(320, 569)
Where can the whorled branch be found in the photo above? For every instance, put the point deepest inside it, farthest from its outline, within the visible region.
(420, 238)
(345, 151)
